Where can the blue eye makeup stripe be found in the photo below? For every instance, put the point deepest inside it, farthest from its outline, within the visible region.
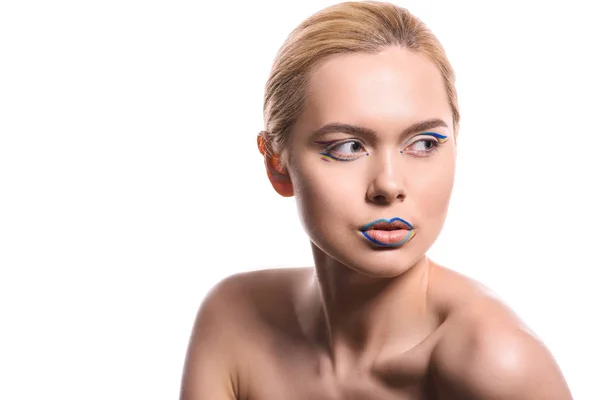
(439, 136)
(325, 156)
(329, 157)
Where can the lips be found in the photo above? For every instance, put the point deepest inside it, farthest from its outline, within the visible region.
(387, 225)
(393, 232)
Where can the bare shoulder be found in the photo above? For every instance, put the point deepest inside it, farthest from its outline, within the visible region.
(261, 287)
(257, 282)
(231, 321)
(487, 352)
(249, 298)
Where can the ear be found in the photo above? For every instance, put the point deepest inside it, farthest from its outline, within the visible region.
(279, 178)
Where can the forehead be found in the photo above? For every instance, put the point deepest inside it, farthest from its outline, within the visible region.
(393, 87)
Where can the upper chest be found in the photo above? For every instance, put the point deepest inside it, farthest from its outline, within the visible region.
(272, 372)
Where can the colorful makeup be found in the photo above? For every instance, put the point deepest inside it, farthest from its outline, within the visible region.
(388, 233)
(441, 138)
(330, 152)
(327, 155)
(435, 140)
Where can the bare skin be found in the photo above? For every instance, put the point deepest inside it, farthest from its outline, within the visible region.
(366, 322)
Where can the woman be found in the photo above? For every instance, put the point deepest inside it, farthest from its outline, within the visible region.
(361, 123)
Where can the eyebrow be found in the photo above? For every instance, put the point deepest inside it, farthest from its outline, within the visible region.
(417, 127)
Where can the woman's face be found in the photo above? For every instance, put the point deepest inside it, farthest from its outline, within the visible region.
(390, 155)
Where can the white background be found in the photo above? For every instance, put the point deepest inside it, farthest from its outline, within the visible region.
(130, 182)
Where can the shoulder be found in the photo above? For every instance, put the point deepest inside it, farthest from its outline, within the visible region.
(486, 352)
(250, 289)
(264, 282)
(232, 322)
(245, 300)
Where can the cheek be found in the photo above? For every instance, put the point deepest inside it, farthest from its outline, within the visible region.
(431, 191)
(323, 194)
(310, 185)
(318, 181)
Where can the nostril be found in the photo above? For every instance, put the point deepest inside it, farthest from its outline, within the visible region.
(380, 199)
(383, 199)
(385, 191)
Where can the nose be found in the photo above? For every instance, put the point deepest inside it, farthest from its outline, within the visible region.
(387, 184)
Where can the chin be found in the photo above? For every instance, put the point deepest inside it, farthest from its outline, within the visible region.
(388, 263)
(372, 261)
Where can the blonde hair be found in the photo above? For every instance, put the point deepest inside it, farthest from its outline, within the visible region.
(348, 27)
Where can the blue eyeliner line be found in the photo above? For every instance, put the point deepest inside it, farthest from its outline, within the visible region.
(435, 135)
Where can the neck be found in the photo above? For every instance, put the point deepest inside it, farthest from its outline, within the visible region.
(355, 317)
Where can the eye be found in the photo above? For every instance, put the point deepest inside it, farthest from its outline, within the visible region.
(349, 147)
(425, 145)
(345, 151)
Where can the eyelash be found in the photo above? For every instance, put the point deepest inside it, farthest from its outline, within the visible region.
(435, 145)
(328, 149)
(327, 152)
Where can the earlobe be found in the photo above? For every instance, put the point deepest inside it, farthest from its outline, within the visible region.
(281, 183)
(278, 177)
